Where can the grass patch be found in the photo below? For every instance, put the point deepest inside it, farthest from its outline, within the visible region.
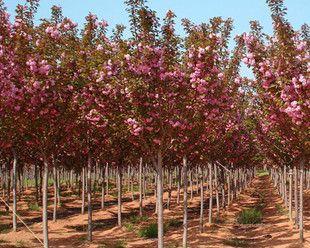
(33, 206)
(135, 219)
(235, 242)
(262, 173)
(250, 216)
(81, 240)
(150, 231)
(281, 209)
(5, 228)
(129, 226)
(4, 213)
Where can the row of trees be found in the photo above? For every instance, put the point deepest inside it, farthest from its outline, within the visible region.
(74, 100)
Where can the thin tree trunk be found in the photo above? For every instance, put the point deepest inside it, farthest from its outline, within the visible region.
(36, 183)
(216, 191)
(89, 203)
(55, 192)
(44, 203)
(179, 185)
(296, 194)
(191, 183)
(211, 194)
(201, 200)
(102, 187)
(8, 186)
(228, 189)
(83, 190)
(301, 203)
(119, 195)
(285, 187)
(140, 187)
(107, 176)
(185, 202)
(290, 195)
(160, 216)
(170, 188)
(58, 186)
(14, 190)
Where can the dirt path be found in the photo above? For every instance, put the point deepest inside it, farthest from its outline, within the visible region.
(274, 231)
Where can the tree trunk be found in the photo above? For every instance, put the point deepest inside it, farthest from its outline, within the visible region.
(83, 191)
(170, 188)
(290, 195)
(14, 190)
(160, 212)
(119, 195)
(191, 183)
(285, 187)
(107, 176)
(36, 183)
(102, 187)
(8, 186)
(301, 204)
(55, 192)
(44, 203)
(185, 202)
(296, 194)
(228, 189)
(89, 203)
(216, 192)
(140, 187)
(211, 194)
(179, 185)
(58, 186)
(201, 200)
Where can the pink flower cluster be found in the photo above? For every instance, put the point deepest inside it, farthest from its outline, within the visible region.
(135, 128)
(42, 67)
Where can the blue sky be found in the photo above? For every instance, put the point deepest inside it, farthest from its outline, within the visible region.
(242, 11)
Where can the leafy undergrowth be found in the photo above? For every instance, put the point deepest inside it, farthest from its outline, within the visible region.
(150, 231)
(250, 216)
(281, 209)
(33, 206)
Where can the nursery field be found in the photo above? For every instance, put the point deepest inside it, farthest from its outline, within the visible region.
(160, 132)
(273, 230)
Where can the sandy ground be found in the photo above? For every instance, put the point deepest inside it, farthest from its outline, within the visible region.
(70, 229)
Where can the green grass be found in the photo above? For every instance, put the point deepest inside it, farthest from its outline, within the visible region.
(150, 231)
(129, 226)
(81, 240)
(262, 173)
(135, 219)
(235, 242)
(33, 206)
(250, 216)
(4, 213)
(281, 209)
(5, 228)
